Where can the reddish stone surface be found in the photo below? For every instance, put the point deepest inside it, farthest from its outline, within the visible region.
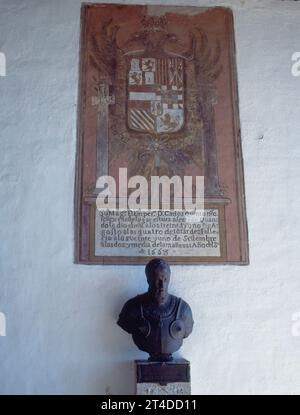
(208, 142)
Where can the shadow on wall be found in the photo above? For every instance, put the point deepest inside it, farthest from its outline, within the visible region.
(117, 371)
(87, 350)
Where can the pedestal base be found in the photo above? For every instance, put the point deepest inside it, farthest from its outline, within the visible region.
(163, 378)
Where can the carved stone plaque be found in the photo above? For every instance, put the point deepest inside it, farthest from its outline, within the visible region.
(158, 97)
(167, 372)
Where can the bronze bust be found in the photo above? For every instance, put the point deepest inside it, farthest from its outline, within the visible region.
(157, 320)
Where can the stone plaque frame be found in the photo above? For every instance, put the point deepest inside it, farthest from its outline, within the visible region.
(199, 44)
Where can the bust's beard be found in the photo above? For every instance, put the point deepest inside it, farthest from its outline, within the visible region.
(160, 298)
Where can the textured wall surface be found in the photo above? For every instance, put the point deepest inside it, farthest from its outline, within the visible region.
(61, 335)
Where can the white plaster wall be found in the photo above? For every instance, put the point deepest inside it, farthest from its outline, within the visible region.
(61, 335)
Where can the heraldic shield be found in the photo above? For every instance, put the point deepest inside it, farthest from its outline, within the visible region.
(155, 94)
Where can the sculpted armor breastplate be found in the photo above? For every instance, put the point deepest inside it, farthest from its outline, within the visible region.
(160, 330)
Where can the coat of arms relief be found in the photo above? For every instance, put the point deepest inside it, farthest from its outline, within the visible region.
(161, 90)
(155, 95)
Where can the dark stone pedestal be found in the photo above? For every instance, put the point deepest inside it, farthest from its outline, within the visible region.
(163, 378)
